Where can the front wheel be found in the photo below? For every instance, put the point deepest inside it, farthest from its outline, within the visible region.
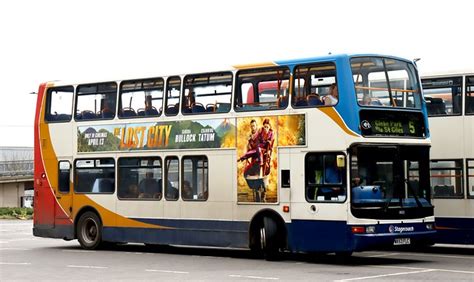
(269, 239)
(89, 231)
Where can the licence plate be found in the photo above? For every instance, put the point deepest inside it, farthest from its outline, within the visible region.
(401, 241)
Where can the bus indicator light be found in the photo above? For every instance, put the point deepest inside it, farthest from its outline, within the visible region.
(286, 208)
(358, 229)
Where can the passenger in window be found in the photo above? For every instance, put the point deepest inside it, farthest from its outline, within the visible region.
(366, 100)
(187, 190)
(149, 187)
(149, 109)
(332, 97)
(172, 193)
(132, 192)
(108, 109)
(190, 100)
(204, 195)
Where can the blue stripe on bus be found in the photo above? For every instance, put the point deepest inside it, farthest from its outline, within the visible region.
(455, 230)
(303, 235)
(321, 236)
(237, 226)
(336, 236)
(184, 232)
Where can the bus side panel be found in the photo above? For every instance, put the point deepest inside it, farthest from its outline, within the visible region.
(46, 206)
(44, 198)
(318, 236)
(454, 230)
(183, 232)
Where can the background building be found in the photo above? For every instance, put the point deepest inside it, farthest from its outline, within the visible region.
(16, 176)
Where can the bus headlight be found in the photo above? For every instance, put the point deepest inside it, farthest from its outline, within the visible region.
(429, 226)
(370, 229)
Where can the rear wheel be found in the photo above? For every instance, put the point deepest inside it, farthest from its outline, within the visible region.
(89, 231)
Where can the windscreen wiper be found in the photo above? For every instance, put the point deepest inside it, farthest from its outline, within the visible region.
(417, 200)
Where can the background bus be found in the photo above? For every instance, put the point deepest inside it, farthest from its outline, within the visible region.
(192, 160)
(450, 105)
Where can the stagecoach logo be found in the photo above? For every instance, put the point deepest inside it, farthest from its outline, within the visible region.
(365, 124)
(400, 229)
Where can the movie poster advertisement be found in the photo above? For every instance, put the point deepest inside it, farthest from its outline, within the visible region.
(215, 133)
(257, 156)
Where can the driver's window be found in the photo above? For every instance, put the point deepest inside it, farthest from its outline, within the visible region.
(325, 177)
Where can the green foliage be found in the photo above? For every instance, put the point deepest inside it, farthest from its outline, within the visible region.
(20, 213)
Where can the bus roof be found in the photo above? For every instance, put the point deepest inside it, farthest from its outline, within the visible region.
(289, 62)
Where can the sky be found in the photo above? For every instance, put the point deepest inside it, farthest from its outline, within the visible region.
(93, 40)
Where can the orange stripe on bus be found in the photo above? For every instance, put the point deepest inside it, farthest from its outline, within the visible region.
(334, 115)
(257, 65)
(109, 218)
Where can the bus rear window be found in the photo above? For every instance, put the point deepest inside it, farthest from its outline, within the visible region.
(59, 104)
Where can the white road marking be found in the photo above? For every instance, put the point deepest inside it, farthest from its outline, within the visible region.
(387, 275)
(253, 277)
(418, 268)
(22, 239)
(87, 266)
(166, 271)
(14, 249)
(77, 251)
(441, 256)
(15, 263)
(383, 255)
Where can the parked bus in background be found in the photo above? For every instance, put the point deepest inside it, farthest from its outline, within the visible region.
(219, 159)
(450, 104)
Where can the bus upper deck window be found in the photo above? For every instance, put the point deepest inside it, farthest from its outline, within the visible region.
(96, 101)
(59, 104)
(314, 85)
(385, 82)
(262, 89)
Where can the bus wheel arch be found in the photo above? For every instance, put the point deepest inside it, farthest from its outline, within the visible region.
(88, 228)
(267, 232)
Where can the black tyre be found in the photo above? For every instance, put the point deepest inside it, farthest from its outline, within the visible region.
(89, 231)
(269, 243)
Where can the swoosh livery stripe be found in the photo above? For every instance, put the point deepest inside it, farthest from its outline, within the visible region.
(334, 115)
(50, 167)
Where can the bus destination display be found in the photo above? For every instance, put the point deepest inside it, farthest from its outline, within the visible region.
(378, 123)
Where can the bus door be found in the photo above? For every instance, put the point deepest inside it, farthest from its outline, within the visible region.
(323, 210)
(62, 189)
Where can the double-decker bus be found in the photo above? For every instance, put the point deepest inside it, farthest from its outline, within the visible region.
(450, 104)
(217, 159)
